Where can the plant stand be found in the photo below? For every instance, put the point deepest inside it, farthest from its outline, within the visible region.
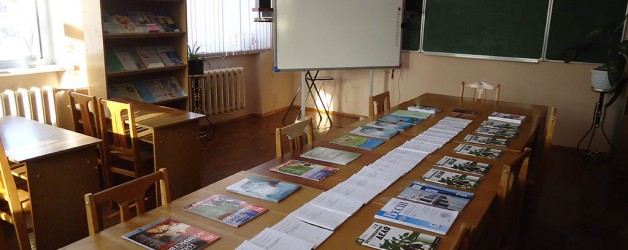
(197, 100)
(597, 123)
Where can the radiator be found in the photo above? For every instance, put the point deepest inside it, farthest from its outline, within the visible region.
(35, 103)
(225, 90)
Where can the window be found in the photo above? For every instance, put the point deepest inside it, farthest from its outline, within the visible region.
(19, 32)
(226, 27)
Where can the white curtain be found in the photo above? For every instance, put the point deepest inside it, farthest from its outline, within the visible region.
(226, 27)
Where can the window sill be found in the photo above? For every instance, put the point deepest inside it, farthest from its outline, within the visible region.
(28, 71)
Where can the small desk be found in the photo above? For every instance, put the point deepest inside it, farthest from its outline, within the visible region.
(62, 167)
(176, 146)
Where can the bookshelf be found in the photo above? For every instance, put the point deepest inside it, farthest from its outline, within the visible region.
(107, 36)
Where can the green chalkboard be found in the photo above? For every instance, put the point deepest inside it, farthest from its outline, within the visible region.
(573, 19)
(411, 38)
(504, 28)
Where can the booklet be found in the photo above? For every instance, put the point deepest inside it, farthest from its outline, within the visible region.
(225, 209)
(336, 203)
(382, 236)
(427, 148)
(358, 142)
(505, 133)
(478, 151)
(166, 233)
(436, 196)
(401, 126)
(305, 170)
(463, 181)
(505, 117)
(463, 165)
(396, 118)
(490, 141)
(372, 172)
(354, 192)
(297, 228)
(500, 125)
(456, 120)
(431, 140)
(413, 114)
(464, 112)
(425, 109)
(417, 215)
(331, 155)
(319, 216)
(375, 132)
(263, 188)
(272, 239)
(247, 245)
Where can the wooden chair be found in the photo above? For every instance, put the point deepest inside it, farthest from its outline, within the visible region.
(479, 90)
(85, 112)
(18, 201)
(379, 104)
(295, 133)
(549, 130)
(121, 142)
(510, 194)
(126, 195)
(463, 239)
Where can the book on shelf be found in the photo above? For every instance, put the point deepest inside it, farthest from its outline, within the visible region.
(263, 188)
(463, 165)
(331, 155)
(272, 239)
(375, 132)
(357, 142)
(128, 59)
(108, 26)
(464, 112)
(123, 22)
(436, 196)
(413, 114)
(396, 118)
(505, 117)
(149, 57)
(484, 140)
(485, 152)
(169, 234)
(226, 209)
(417, 215)
(382, 236)
(463, 181)
(166, 22)
(172, 86)
(169, 56)
(112, 63)
(297, 228)
(140, 20)
(305, 170)
(425, 109)
(401, 126)
(124, 90)
(505, 133)
(500, 125)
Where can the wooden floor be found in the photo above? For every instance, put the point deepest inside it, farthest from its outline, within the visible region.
(580, 203)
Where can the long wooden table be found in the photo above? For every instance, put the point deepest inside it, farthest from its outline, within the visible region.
(175, 137)
(62, 167)
(344, 236)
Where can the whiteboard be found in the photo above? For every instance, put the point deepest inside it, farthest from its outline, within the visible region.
(337, 34)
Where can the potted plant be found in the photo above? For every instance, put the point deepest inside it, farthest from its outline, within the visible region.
(195, 60)
(605, 78)
(31, 60)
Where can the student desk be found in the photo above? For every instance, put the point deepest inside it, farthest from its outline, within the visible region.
(175, 137)
(62, 167)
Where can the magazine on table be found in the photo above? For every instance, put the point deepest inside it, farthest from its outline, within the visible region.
(169, 234)
(463, 181)
(375, 132)
(305, 170)
(436, 196)
(401, 126)
(358, 142)
(396, 118)
(331, 155)
(382, 236)
(413, 114)
(463, 165)
(425, 109)
(505, 133)
(226, 209)
(485, 152)
(417, 215)
(484, 140)
(505, 117)
(263, 188)
(500, 125)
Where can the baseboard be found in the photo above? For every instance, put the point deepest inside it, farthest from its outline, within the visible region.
(272, 112)
(236, 118)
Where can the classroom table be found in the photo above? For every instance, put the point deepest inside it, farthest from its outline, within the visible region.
(61, 166)
(175, 137)
(474, 213)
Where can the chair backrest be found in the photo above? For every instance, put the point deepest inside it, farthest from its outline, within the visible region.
(510, 194)
(379, 104)
(462, 241)
(295, 133)
(9, 192)
(479, 90)
(126, 195)
(84, 111)
(120, 140)
(549, 129)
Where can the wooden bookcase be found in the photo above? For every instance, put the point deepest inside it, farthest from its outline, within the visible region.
(98, 43)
